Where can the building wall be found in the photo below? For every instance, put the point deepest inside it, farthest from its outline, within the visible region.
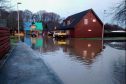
(72, 33)
(90, 30)
(87, 49)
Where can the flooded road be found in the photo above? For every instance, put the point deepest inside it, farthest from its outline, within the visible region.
(80, 61)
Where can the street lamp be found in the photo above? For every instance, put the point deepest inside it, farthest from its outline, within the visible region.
(18, 19)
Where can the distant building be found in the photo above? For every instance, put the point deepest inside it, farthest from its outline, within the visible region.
(29, 27)
(85, 24)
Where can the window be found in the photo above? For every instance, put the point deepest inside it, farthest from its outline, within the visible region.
(64, 24)
(92, 54)
(89, 45)
(67, 32)
(85, 53)
(68, 22)
(94, 20)
(89, 30)
(55, 27)
(85, 21)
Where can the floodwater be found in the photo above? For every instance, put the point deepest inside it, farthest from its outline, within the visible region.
(81, 61)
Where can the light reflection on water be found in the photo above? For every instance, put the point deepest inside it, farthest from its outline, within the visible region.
(79, 61)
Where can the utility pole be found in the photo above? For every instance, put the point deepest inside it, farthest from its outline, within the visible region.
(103, 23)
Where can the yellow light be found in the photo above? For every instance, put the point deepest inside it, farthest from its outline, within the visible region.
(61, 43)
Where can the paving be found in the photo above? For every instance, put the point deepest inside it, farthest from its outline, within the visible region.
(24, 67)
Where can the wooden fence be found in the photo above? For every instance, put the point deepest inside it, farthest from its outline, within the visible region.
(4, 41)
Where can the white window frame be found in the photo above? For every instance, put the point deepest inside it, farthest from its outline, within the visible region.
(85, 21)
(68, 22)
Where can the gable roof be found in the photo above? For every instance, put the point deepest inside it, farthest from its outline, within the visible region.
(74, 19)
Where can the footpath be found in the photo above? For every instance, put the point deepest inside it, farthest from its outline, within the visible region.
(24, 67)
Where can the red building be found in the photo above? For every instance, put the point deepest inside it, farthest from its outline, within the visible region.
(84, 50)
(85, 24)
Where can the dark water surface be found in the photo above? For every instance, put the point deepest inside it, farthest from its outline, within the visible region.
(79, 61)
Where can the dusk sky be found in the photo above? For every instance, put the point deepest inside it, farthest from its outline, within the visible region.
(67, 7)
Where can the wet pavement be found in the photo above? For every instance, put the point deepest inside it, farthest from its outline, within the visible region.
(24, 67)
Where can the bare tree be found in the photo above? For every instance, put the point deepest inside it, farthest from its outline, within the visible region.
(41, 14)
(120, 12)
(50, 20)
(27, 15)
(12, 20)
(3, 14)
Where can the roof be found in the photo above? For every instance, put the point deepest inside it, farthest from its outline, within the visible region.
(74, 19)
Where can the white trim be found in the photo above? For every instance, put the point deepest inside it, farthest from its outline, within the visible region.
(118, 31)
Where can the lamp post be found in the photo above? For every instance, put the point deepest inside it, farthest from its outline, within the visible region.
(18, 19)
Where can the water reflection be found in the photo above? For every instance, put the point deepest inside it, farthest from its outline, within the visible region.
(84, 50)
(71, 59)
(119, 70)
(35, 42)
(27, 40)
(119, 44)
(42, 44)
(49, 45)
